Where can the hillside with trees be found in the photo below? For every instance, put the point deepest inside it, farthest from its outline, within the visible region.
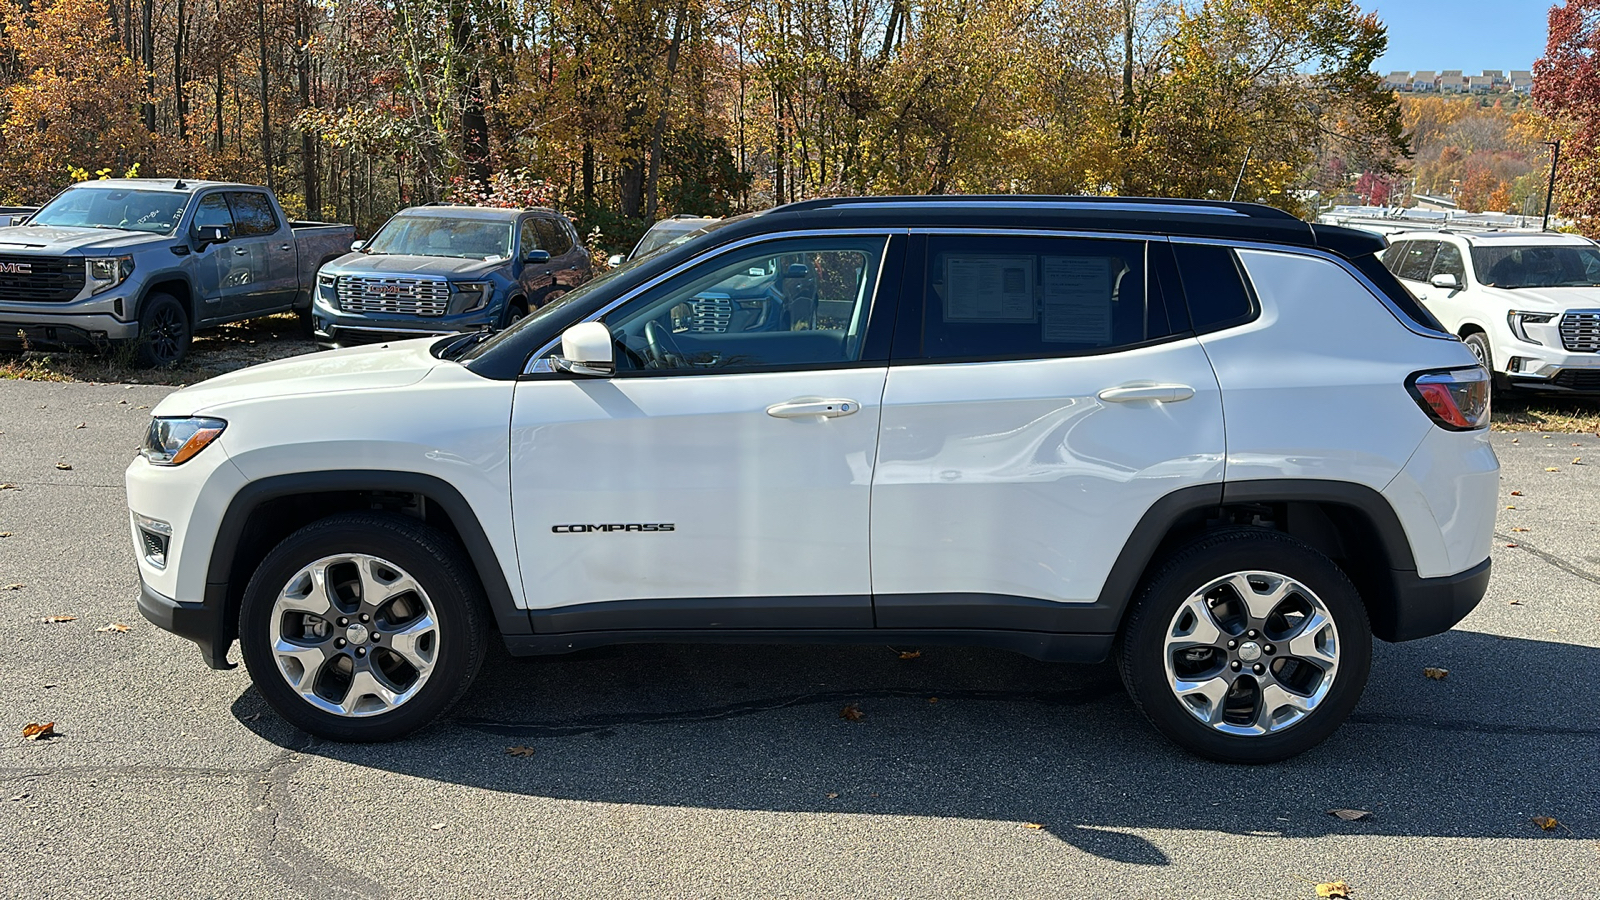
(619, 111)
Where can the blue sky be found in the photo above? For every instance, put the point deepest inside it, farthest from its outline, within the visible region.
(1471, 35)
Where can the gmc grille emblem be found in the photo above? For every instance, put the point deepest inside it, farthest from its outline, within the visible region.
(16, 268)
(386, 289)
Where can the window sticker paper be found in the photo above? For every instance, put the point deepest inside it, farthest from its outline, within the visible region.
(1077, 300)
(989, 289)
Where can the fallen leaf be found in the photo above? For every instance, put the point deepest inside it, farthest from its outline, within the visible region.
(1515, 603)
(439, 826)
(117, 627)
(1519, 529)
(1516, 440)
(1436, 673)
(1334, 890)
(1032, 826)
(1546, 823)
(143, 407)
(1547, 437)
(51, 620)
(910, 654)
(1577, 460)
(933, 699)
(519, 751)
(65, 467)
(14, 587)
(1511, 507)
(17, 797)
(33, 731)
(1552, 468)
(5, 534)
(833, 796)
(1511, 546)
(1351, 815)
(8, 486)
(1516, 493)
(81, 425)
(851, 713)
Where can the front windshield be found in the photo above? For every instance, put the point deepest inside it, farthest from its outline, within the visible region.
(450, 236)
(1536, 266)
(156, 212)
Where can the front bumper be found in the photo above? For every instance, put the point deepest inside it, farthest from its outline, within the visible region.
(332, 330)
(1584, 380)
(64, 330)
(204, 623)
(1429, 606)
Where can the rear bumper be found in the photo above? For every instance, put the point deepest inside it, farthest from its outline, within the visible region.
(1429, 606)
(202, 622)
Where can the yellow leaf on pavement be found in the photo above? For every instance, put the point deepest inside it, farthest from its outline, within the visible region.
(851, 713)
(1436, 673)
(1334, 890)
(33, 731)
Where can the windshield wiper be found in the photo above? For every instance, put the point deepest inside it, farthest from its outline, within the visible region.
(463, 344)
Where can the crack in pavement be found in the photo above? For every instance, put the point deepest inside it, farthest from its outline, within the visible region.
(1548, 557)
(277, 820)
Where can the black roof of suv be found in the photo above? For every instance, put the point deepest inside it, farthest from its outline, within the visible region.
(504, 357)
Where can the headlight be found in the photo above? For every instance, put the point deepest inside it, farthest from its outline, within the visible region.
(107, 272)
(474, 294)
(171, 442)
(1518, 319)
(327, 281)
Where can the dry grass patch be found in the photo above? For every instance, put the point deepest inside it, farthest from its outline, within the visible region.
(1555, 414)
(213, 352)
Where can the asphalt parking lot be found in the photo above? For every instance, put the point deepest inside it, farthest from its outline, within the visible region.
(680, 771)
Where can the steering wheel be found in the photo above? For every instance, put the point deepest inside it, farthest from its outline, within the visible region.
(664, 351)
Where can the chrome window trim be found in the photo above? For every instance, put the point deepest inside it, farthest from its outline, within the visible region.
(1037, 232)
(886, 233)
(1341, 262)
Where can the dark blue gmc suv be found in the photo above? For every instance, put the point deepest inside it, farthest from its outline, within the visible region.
(443, 269)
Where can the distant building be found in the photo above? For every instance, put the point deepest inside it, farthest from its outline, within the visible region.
(1480, 84)
(1397, 81)
(1451, 81)
(1496, 77)
(1521, 81)
(1424, 82)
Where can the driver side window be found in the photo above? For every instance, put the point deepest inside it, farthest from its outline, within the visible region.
(779, 304)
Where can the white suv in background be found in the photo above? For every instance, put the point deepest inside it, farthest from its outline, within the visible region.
(1209, 440)
(1528, 305)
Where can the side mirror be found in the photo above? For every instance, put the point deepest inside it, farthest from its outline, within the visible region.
(357, 246)
(615, 259)
(1447, 281)
(586, 350)
(536, 256)
(213, 234)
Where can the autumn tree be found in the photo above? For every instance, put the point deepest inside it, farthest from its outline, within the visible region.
(1566, 90)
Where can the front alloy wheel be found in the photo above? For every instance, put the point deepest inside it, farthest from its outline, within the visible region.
(363, 626)
(1246, 646)
(354, 635)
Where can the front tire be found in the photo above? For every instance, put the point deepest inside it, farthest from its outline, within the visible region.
(164, 332)
(363, 627)
(1247, 646)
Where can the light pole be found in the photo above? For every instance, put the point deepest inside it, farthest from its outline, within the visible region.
(1550, 191)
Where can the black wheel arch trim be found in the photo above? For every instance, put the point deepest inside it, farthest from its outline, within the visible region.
(222, 596)
(156, 283)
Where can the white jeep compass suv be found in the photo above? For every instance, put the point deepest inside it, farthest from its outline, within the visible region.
(1220, 445)
(1527, 305)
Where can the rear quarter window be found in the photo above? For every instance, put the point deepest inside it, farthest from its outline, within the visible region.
(1219, 295)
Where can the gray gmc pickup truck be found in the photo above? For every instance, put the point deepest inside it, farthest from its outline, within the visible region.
(147, 262)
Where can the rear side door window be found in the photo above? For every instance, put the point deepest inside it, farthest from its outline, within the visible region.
(552, 237)
(996, 297)
(1218, 294)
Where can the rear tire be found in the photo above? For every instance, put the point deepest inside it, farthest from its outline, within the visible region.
(1478, 343)
(1247, 646)
(164, 332)
(363, 627)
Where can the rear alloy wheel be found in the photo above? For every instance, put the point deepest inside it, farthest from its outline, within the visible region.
(1478, 343)
(1248, 646)
(362, 627)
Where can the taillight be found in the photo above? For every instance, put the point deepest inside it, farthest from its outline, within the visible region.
(1455, 399)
